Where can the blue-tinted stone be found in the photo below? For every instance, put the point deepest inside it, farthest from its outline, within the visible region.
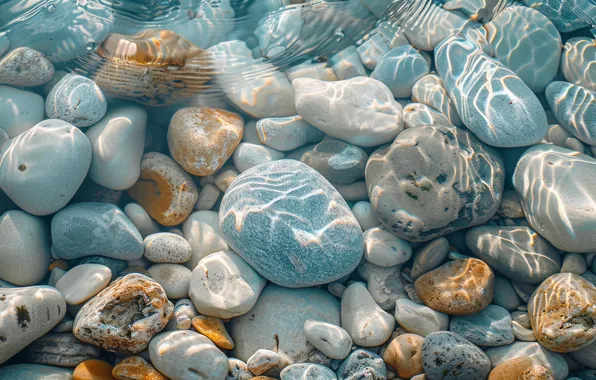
(578, 62)
(372, 50)
(347, 64)
(307, 371)
(567, 15)
(362, 364)
(35, 372)
(489, 327)
(115, 265)
(430, 90)
(575, 108)
(400, 68)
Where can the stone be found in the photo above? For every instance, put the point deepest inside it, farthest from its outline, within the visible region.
(93, 369)
(353, 192)
(419, 319)
(554, 362)
(460, 287)
(142, 221)
(185, 354)
(307, 371)
(429, 90)
(311, 69)
(115, 265)
(437, 25)
(261, 361)
(562, 311)
(574, 263)
(373, 50)
(333, 341)
(446, 355)
(95, 228)
(225, 177)
(184, 312)
(42, 168)
(293, 250)
(29, 313)
(25, 67)
(248, 155)
(287, 133)
(575, 109)
(83, 282)
(384, 249)
(365, 215)
(568, 182)
(25, 248)
(420, 115)
(201, 139)
(35, 372)
(585, 356)
(506, 296)
(362, 364)
(62, 350)
(511, 206)
(576, 62)
(347, 64)
(174, 279)
(497, 104)
(208, 197)
(429, 256)
(489, 327)
(118, 143)
(238, 370)
(400, 69)
(164, 189)
(515, 369)
(424, 164)
(224, 285)
(536, 372)
(4, 44)
(77, 100)
(20, 110)
(136, 368)
(341, 111)
(384, 284)
(125, 315)
(404, 355)
(524, 291)
(214, 329)
(201, 231)
(166, 247)
(276, 323)
(518, 253)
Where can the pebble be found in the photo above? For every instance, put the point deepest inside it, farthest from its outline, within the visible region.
(307, 371)
(166, 247)
(201, 139)
(353, 192)
(384, 249)
(83, 282)
(173, 278)
(287, 133)
(365, 215)
(133, 303)
(522, 327)
(568, 181)
(187, 355)
(331, 340)
(511, 206)
(575, 109)
(347, 64)
(35, 372)
(308, 69)
(460, 287)
(341, 111)
(29, 313)
(419, 319)
(20, 110)
(248, 155)
(238, 370)
(62, 350)
(337, 161)
(214, 329)
(429, 256)
(489, 327)
(225, 177)
(118, 142)
(4, 44)
(373, 50)
(208, 197)
(262, 360)
(562, 310)
(518, 253)
(310, 242)
(400, 69)
(224, 285)
(362, 364)
(420, 115)
(164, 189)
(94, 228)
(55, 275)
(429, 90)
(427, 163)
(93, 369)
(554, 362)
(437, 25)
(25, 67)
(42, 168)
(505, 296)
(184, 312)
(136, 368)
(404, 354)
(446, 355)
(524, 291)
(565, 18)
(201, 231)
(384, 284)
(25, 248)
(576, 62)
(515, 369)
(585, 356)
(498, 89)
(115, 265)
(574, 263)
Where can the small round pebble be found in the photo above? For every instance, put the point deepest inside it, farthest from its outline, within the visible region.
(25, 67)
(165, 247)
(362, 364)
(83, 282)
(330, 339)
(574, 263)
(93, 369)
(419, 319)
(337, 161)
(261, 361)
(489, 327)
(77, 100)
(429, 256)
(365, 215)
(384, 249)
(404, 354)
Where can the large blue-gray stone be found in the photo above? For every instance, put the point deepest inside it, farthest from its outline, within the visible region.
(362, 364)
(95, 228)
(399, 70)
(291, 225)
(567, 15)
(575, 108)
(491, 327)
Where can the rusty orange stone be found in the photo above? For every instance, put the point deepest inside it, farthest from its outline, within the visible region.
(512, 369)
(93, 369)
(404, 354)
(136, 368)
(214, 329)
(62, 264)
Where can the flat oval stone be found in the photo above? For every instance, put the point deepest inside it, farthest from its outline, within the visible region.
(336, 160)
(428, 163)
(492, 101)
(136, 368)
(419, 319)
(93, 369)
(35, 372)
(287, 133)
(460, 287)
(518, 253)
(248, 156)
(429, 90)
(404, 354)
(577, 60)
(164, 189)
(174, 279)
(166, 247)
(307, 371)
(330, 339)
(575, 108)
(25, 67)
(201, 231)
(362, 364)
(436, 25)
(489, 327)
(420, 115)
(537, 354)
(42, 168)
(62, 350)
(384, 284)
(562, 311)
(20, 110)
(384, 249)
(201, 139)
(429, 256)
(95, 228)
(83, 282)
(550, 179)
(399, 69)
(293, 249)
(360, 111)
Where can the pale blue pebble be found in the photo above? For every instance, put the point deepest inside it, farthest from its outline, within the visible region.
(489, 327)
(4, 44)
(20, 110)
(276, 32)
(362, 364)
(307, 371)
(347, 64)
(567, 15)
(35, 372)
(377, 7)
(437, 25)
(430, 90)
(578, 62)
(400, 68)
(372, 50)
(287, 133)
(310, 69)
(575, 108)
(481, 10)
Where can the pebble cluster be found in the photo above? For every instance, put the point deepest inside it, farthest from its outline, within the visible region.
(417, 205)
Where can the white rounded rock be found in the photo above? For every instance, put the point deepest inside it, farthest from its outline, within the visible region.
(261, 361)
(430, 90)
(330, 339)
(141, 219)
(20, 110)
(201, 231)
(249, 155)
(174, 279)
(420, 115)
(365, 215)
(577, 62)
(166, 247)
(384, 249)
(83, 282)
(207, 197)
(419, 319)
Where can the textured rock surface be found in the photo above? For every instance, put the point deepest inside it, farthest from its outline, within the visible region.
(404, 354)
(307, 371)
(399, 70)
(35, 372)
(489, 327)
(330, 339)
(575, 108)
(556, 363)
(20, 110)
(362, 364)
(166, 247)
(62, 350)
(25, 67)
(77, 100)
(577, 62)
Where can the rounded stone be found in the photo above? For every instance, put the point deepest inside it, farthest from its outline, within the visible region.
(83, 282)
(25, 67)
(384, 249)
(136, 368)
(365, 215)
(430, 91)
(336, 160)
(400, 69)
(420, 115)
(275, 231)
(42, 168)
(93, 369)
(404, 355)
(516, 368)
(164, 189)
(384, 284)
(201, 231)
(35, 372)
(448, 356)
(307, 371)
(141, 219)
(201, 139)
(419, 319)
(174, 279)
(238, 370)
(429, 256)
(460, 287)
(249, 155)
(562, 311)
(506, 296)
(428, 163)
(331, 340)
(20, 110)
(214, 329)
(585, 356)
(489, 327)
(555, 363)
(286, 133)
(536, 372)
(577, 62)
(362, 364)
(574, 263)
(165, 247)
(62, 350)
(261, 361)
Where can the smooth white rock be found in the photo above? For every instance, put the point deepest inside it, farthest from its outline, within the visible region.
(20, 110)
(419, 319)
(436, 25)
(208, 197)
(201, 231)
(330, 339)
(287, 133)
(430, 90)
(249, 155)
(384, 249)
(166, 247)
(174, 279)
(141, 219)
(420, 115)
(83, 282)
(365, 215)
(261, 361)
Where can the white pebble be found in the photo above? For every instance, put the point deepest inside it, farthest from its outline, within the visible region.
(83, 282)
(330, 339)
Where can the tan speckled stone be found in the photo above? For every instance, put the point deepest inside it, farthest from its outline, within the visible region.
(404, 354)
(136, 368)
(214, 329)
(536, 372)
(460, 287)
(512, 369)
(562, 312)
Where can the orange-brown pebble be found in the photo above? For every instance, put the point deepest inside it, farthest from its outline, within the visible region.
(512, 369)
(404, 354)
(93, 369)
(214, 329)
(136, 368)
(62, 264)
(459, 287)
(164, 189)
(201, 139)
(536, 372)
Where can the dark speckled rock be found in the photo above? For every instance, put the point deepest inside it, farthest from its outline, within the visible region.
(362, 364)
(434, 180)
(307, 371)
(291, 225)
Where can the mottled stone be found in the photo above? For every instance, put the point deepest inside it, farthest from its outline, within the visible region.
(429, 90)
(238, 370)
(83, 282)
(536, 372)
(136, 368)
(62, 350)
(362, 364)
(555, 363)
(404, 354)
(287, 133)
(419, 319)
(564, 15)
(489, 327)
(577, 62)
(20, 110)
(93, 369)
(25, 67)
(575, 109)
(515, 368)
(429, 256)
(336, 160)
(35, 372)
(400, 69)
(436, 25)
(384, 284)
(165, 247)
(307, 371)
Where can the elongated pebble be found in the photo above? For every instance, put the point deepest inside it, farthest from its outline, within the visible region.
(575, 108)
(577, 62)
(83, 282)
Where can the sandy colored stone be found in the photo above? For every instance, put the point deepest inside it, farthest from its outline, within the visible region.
(536, 372)
(62, 264)
(201, 139)
(136, 368)
(93, 369)
(562, 312)
(512, 369)
(164, 189)
(460, 287)
(214, 329)
(404, 354)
